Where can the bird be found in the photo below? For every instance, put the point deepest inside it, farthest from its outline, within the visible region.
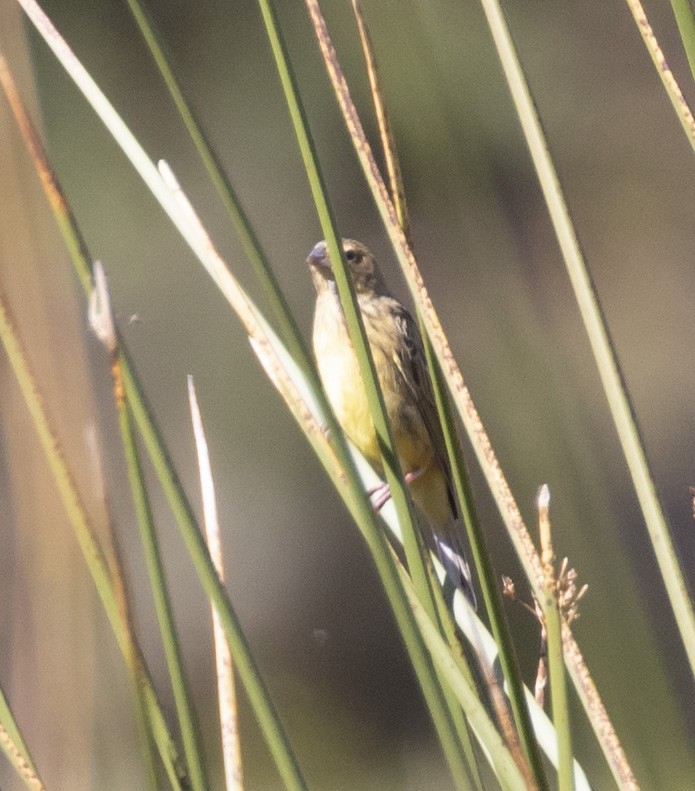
(399, 359)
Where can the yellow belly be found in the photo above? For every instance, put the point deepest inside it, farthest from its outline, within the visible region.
(340, 374)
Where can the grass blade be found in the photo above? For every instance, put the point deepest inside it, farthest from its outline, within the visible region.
(15, 748)
(556, 664)
(85, 534)
(599, 337)
(685, 19)
(248, 672)
(101, 321)
(226, 694)
(388, 144)
(505, 767)
(107, 576)
(683, 111)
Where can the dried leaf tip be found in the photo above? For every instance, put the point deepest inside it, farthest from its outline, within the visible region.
(543, 498)
(99, 311)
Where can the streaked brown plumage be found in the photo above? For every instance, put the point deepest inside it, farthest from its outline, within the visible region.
(399, 359)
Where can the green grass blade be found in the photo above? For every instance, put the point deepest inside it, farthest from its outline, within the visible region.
(89, 545)
(145, 727)
(165, 617)
(258, 695)
(685, 19)
(506, 770)
(556, 662)
(214, 589)
(15, 748)
(524, 737)
(599, 337)
(113, 587)
(675, 95)
(102, 323)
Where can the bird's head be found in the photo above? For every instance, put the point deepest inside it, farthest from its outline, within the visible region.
(364, 271)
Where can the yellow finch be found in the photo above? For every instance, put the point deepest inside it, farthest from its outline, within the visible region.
(399, 359)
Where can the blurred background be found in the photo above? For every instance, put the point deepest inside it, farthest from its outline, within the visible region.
(299, 575)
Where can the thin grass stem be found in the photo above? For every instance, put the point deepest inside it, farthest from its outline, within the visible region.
(226, 692)
(506, 770)
(258, 696)
(15, 748)
(102, 323)
(597, 330)
(675, 95)
(556, 663)
(86, 538)
(685, 19)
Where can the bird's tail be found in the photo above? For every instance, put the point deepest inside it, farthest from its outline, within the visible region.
(456, 568)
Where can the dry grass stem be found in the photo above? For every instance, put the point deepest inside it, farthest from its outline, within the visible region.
(226, 692)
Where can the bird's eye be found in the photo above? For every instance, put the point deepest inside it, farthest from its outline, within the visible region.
(350, 255)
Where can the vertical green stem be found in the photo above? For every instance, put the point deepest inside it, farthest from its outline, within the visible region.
(685, 19)
(488, 581)
(556, 660)
(155, 569)
(215, 590)
(597, 330)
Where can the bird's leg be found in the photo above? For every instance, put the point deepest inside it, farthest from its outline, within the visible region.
(383, 491)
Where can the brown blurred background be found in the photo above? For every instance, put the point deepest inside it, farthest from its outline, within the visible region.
(300, 577)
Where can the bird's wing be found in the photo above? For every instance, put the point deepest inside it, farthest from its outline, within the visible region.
(410, 359)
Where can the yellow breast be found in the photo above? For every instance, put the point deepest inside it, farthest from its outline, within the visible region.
(340, 374)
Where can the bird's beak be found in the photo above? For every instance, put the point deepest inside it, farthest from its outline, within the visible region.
(319, 256)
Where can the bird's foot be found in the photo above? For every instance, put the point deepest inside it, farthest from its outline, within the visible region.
(381, 492)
